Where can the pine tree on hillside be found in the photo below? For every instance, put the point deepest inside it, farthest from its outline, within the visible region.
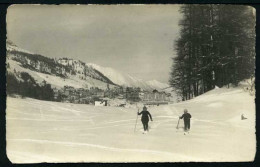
(216, 47)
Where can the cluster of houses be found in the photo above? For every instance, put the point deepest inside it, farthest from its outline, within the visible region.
(83, 96)
(90, 96)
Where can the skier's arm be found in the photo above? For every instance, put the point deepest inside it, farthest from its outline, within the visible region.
(181, 116)
(150, 116)
(139, 113)
(190, 116)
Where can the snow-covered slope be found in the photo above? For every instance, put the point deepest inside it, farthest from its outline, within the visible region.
(41, 131)
(128, 80)
(58, 73)
(55, 81)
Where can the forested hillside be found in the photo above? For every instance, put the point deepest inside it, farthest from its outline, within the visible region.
(216, 47)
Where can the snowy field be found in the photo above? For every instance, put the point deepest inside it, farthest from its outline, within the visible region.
(41, 131)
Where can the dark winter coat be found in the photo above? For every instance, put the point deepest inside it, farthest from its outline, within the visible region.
(186, 117)
(145, 115)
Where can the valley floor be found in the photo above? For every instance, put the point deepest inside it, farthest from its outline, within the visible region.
(42, 131)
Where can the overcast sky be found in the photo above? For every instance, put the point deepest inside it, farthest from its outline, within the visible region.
(136, 39)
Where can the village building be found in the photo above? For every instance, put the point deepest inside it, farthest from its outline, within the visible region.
(55, 93)
(155, 97)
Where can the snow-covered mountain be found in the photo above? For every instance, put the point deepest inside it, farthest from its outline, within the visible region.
(157, 85)
(123, 79)
(67, 71)
(57, 72)
(120, 78)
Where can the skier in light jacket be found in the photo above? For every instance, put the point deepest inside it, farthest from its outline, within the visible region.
(145, 118)
(186, 117)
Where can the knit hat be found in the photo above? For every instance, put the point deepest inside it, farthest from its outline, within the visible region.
(144, 108)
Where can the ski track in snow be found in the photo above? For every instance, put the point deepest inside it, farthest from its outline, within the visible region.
(159, 153)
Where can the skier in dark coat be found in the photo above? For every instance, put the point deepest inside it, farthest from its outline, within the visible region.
(186, 117)
(145, 118)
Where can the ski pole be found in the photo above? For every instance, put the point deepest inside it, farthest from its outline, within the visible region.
(177, 127)
(149, 127)
(136, 120)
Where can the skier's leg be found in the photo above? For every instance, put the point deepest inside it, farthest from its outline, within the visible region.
(185, 125)
(189, 125)
(146, 126)
(143, 125)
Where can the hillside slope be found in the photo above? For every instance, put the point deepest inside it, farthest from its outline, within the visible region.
(57, 72)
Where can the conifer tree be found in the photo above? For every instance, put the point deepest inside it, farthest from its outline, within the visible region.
(216, 47)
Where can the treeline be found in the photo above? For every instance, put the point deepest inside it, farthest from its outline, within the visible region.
(26, 86)
(216, 47)
(39, 63)
(38, 58)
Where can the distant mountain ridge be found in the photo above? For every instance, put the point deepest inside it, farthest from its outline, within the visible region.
(128, 80)
(57, 72)
(67, 71)
(157, 84)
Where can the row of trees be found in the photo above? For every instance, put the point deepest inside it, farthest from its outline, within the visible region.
(216, 47)
(27, 87)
